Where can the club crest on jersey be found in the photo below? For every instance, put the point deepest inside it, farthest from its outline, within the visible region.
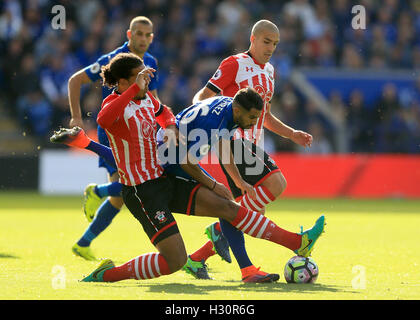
(265, 95)
(146, 129)
(160, 215)
(95, 68)
(217, 74)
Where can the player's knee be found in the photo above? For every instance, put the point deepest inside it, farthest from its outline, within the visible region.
(282, 184)
(228, 210)
(117, 202)
(276, 184)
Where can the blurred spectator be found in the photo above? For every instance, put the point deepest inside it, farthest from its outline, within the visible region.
(351, 58)
(35, 113)
(304, 11)
(411, 95)
(312, 114)
(320, 144)
(229, 14)
(390, 126)
(388, 104)
(10, 19)
(286, 108)
(360, 124)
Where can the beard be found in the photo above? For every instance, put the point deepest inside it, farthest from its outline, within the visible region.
(140, 97)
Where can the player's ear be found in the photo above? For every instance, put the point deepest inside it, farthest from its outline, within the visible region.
(252, 38)
(122, 83)
(128, 34)
(236, 110)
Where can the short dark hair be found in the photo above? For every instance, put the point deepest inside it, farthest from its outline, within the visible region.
(119, 68)
(248, 98)
(140, 19)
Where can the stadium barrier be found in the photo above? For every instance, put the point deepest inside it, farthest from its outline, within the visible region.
(345, 175)
(68, 171)
(316, 176)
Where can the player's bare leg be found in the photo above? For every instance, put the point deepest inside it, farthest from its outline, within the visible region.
(173, 250)
(276, 183)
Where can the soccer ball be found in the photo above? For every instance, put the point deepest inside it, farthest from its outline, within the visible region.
(301, 270)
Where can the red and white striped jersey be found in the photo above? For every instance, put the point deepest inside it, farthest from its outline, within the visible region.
(131, 130)
(240, 71)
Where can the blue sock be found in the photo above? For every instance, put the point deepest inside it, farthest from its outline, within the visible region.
(236, 241)
(102, 151)
(106, 212)
(112, 189)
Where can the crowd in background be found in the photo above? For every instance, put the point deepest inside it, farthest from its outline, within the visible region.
(191, 38)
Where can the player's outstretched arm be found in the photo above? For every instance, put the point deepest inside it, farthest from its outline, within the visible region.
(74, 87)
(204, 93)
(275, 125)
(225, 153)
(190, 166)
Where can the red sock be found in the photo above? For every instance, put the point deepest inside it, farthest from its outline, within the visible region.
(263, 197)
(205, 252)
(259, 226)
(80, 141)
(146, 266)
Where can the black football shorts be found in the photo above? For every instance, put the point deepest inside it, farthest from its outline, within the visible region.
(153, 202)
(253, 163)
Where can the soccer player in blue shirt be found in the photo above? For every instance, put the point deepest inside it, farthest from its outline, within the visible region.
(140, 36)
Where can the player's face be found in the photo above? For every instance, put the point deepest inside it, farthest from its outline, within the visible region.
(264, 44)
(140, 37)
(246, 119)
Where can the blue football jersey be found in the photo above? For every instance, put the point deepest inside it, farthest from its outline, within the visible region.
(93, 71)
(203, 124)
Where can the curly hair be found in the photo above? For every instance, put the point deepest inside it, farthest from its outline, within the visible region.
(119, 68)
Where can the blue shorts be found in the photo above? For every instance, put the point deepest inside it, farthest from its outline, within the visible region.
(103, 139)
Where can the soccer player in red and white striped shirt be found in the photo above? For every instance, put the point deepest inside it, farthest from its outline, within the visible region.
(129, 118)
(251, 69)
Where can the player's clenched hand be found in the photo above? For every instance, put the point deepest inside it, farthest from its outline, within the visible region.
(247, 188)
(143, 77)
(172, 135)
(302, 138)
(222, 191)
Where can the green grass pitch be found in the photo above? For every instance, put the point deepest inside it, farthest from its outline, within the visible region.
(369, 251)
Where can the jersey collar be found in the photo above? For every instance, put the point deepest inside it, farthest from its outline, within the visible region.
(125, 47)
(134, 100)
(262, 66)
